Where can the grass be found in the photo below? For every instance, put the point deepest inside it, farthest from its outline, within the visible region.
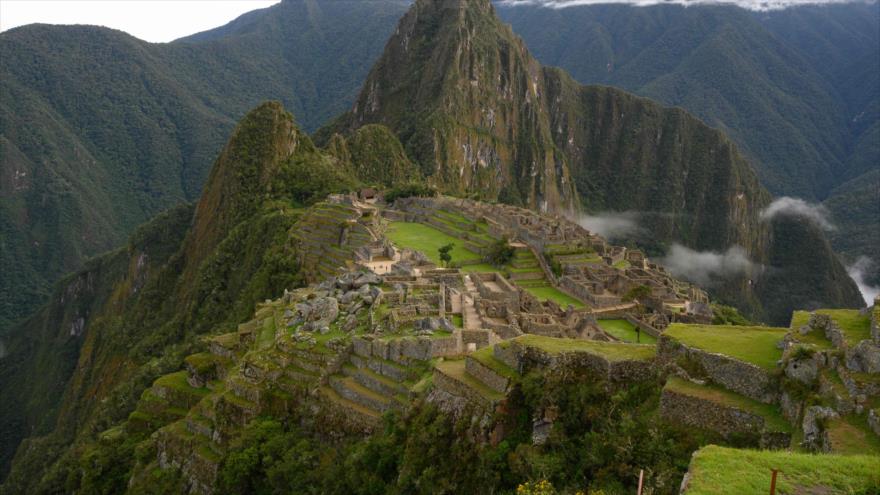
(626, 331)
(755, 345)
(725, 471)
(772, 417)
(613, 351)
(427, 240)
(855, 327)
(852, 435)
(266, 337)
(458, 321)
(479, 268)
(550, 293)
(486, 357)
(177, 381)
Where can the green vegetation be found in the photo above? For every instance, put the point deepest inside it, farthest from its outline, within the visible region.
(486, 357)
(771, 414)
(728, 315)
(415, 189)
(428, 240)
(641, 292)
(500, 252)
(852, 435)
(443, 252)
(755, 345)
(855, 326)
(722, 471)
(613, 351)
(549, 293)
(626, 332)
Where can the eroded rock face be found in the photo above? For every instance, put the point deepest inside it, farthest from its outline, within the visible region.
(815, 436)
(864, 358)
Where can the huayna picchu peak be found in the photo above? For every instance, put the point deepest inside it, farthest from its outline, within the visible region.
(481, 117)
(414, 299)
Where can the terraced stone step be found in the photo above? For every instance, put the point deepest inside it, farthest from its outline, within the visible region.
(378, 383)
(452, 377)
(367, 415)
(384, 367)
(713, 408)
(348, 387)
(485, 367)
(299, 374)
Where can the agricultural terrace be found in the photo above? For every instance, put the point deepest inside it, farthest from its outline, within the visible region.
(755, 345)
(855, 326)
(612, 351)
(626, 331)
(725, 471)
(720, 395)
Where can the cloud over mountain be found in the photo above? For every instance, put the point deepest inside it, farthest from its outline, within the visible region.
(757, 5)
(798, 207)
(706, 268)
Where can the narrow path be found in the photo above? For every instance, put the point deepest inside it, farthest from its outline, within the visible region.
(472, 318)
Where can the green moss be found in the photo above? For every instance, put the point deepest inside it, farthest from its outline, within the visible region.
(755, 345)
(549, 293)
(177, 381)
(456, 369)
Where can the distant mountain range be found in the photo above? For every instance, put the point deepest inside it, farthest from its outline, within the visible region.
(100, 131)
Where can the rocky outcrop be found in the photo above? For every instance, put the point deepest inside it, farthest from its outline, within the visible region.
(815, 434)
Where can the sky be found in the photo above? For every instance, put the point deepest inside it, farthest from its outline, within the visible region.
(150, 20)
(759, 5)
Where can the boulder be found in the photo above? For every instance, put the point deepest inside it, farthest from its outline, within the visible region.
(368, 278)
(804, 370)
(864, 358)
(815, 436)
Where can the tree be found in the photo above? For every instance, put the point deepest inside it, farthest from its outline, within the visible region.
(500, 253)
(446, 254)
(641, 292)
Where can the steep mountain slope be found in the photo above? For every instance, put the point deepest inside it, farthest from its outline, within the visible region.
(100, 131)
(482, 117)
(796, 89)
(80, 363)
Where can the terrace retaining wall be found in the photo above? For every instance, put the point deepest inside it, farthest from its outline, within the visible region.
(712, 416)
(741, 377)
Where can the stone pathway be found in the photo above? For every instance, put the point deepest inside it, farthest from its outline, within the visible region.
(472, 318)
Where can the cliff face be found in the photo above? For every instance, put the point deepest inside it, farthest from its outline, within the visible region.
(483, 118)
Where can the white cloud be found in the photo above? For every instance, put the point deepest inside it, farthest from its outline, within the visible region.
(758, 5)
(798, 207)
(612, 225)
(155, 21)
(857, 273)
(706, 268)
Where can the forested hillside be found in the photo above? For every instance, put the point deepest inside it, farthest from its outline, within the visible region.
(99, 131)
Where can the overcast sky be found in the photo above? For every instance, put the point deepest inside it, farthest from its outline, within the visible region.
(151, 20)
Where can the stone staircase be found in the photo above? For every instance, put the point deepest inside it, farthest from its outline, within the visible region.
(480, 380)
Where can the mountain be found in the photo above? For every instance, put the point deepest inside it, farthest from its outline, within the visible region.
(100, 131)
(796, 89)
(132, 314)
(483, 118)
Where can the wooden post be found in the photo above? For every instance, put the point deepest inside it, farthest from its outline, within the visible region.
(641, 480)
(773, 482)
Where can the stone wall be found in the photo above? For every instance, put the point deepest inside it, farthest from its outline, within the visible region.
(486, 375)
(740, 377)
(712, 416)
(406, 349)
(521, 358)
(644, 327)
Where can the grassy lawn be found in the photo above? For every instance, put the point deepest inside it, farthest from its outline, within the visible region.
(626, 331)
(479, 268)
(771, 414)
(722, 471)
(266, 337)
(458, 321)
(427, 240)
(855, 327)
(552, 294)
(613, 351)
(756, 345)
